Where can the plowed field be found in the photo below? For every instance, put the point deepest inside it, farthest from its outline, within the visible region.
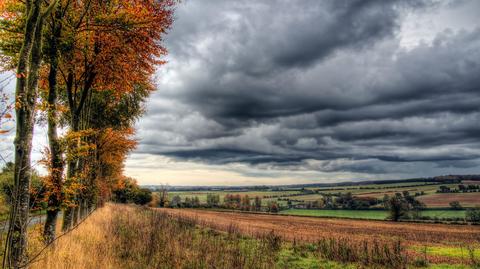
(312, 229)
(444, 199)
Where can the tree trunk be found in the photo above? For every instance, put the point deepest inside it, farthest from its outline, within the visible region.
(75, 213)
(69, 213)
(67, 219)
(26, 94)
(16, 243)
(70, 210)
(70, 217)
(56, 160)
(50, 225)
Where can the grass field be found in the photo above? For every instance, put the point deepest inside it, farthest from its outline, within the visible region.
(368, 214)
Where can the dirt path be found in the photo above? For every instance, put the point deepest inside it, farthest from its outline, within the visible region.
(311, 229)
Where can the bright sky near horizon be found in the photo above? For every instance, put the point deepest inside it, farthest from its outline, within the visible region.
(282, 92)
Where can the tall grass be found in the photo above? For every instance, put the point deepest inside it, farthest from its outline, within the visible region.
(129, 237)
(119, 236)
(388, 254)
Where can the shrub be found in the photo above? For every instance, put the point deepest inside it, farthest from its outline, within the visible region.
(473, 215)
(143, 196)
(455, 205)
(213, 200)
(176, 201)
(273, 207)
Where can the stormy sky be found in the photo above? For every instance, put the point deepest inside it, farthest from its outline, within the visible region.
(277, 92)
(284, 92)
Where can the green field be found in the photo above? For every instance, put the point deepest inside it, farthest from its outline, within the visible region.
(367, 214)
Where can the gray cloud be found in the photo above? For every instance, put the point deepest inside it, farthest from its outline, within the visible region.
(318, 85)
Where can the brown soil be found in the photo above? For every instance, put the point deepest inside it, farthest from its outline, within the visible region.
(311, 229)
(444, 199)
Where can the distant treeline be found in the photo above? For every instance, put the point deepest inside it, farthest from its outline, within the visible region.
(446, 179)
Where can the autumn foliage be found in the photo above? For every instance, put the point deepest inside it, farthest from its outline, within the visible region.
(96, 59)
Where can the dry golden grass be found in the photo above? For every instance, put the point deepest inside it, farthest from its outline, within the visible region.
(86, 247)
(120, 236)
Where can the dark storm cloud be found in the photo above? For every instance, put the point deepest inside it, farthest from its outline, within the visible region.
(284, 85)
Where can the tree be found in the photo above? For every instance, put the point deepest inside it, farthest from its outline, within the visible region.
(397, 207)
(195, 202)
(28, 68)
(415, 206)
(176, 201)
(55, 162)
(258, 203)
(232, 201)
(100, 57)
(213, 200)
(444, 189)
(473, 215)
(163, 196)
(273, 207)
(37, 189)
(105, 46)
(188, 202)
(245, 203)
(329, 202)
(125, 191)
(455, 205)
(143, 196)
(128, 191)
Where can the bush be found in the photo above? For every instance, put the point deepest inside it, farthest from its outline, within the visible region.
(130, 192)
(473, 215)
(142, 196)
(273, 207)
(455, 205)
(176, 201)
(213, 200)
